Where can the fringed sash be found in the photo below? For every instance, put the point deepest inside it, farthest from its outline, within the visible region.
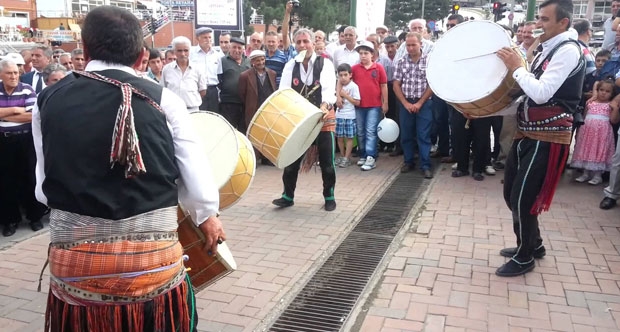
(125, 149)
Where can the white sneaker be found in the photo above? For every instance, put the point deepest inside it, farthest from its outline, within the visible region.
(489, 170)
(361, 162)
(455, 166)
(433, 148)
(369, 164)
(583, 178)
(338, 160)
(597, 179)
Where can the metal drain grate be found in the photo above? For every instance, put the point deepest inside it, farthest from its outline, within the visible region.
(326, 301)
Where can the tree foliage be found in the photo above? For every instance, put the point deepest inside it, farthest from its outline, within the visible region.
(399, 12)
(316, 14)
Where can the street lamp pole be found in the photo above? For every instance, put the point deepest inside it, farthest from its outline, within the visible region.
(423, 4)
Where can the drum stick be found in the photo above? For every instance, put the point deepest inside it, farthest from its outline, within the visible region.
(476, 56)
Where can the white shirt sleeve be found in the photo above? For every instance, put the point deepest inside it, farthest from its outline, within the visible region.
(287, 75)
(38, 148)
(197, 191)
(328, 82)
(561, 65)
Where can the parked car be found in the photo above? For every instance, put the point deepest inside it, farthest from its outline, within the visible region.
(597, 39)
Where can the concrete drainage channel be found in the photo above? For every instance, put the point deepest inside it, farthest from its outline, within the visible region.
(326, 301)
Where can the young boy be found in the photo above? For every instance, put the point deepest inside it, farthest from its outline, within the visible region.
(346, 127)
(588, 82)
(371, 80)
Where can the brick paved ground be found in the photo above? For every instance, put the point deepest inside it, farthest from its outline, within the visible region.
(440, 278)
(274, 249)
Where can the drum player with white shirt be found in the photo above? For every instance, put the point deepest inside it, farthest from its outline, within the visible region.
(541, 145)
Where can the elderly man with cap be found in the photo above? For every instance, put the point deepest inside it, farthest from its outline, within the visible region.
(228, 73)
(383, 33)
(207, 59)
(255, 85)
(388, 61)
(17, 59)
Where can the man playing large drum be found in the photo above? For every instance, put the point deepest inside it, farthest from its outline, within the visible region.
(312, 77)
(541, 145)
(115, 260)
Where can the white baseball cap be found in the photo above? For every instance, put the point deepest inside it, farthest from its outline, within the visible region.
(15, 57)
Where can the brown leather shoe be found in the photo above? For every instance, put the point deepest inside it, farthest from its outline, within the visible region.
(447, 160)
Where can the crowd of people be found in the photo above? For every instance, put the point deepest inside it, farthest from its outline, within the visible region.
(102, 136)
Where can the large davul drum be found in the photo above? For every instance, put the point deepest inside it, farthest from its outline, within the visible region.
(284, 127)
(465, 71)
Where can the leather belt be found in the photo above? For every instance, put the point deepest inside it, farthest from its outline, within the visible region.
(14, 133)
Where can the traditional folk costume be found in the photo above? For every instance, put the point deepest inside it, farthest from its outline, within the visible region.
(317, 84)
(542, 142)
(115, 260)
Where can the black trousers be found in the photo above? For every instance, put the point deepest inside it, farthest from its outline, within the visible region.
(210, 102)
(526, 168)
(441, 120)
(326, 147)
(234, 114)
(496, 125)
(17, 180)
(477, 138)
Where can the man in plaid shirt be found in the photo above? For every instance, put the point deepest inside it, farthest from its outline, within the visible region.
(416, 115)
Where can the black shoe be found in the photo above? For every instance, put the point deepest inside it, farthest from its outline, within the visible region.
(406, 168)
(282, 202)
(510, 252)
(36, 225)
(607, 203)
(427, 174)
(498, 165)
(478, 176)
(330, 205)
(458, 174)
(513, 269)
(9, 229)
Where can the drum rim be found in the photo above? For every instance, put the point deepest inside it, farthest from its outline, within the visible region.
(201, 113)
(250, 147)
(504, 73)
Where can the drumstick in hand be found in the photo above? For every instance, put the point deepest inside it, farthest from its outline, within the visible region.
(476, 56)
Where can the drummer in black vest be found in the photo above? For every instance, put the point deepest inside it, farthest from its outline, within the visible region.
(540, 149)
(312, 77)
(115, 155)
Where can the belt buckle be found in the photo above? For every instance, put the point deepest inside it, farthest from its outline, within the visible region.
(6, 134)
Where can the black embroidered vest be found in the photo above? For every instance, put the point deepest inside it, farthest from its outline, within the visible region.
(311, 92)
(77, 120)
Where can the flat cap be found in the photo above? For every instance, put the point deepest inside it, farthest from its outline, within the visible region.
(256, 54)
(390, 40)
(203, 30)
(382, 27)
(237, 40)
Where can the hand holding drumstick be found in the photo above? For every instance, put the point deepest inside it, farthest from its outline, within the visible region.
(511, 59)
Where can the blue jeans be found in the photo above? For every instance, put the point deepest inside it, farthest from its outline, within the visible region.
(367, 119)
(417, 124)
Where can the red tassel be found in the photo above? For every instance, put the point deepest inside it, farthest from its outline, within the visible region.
(555, 167)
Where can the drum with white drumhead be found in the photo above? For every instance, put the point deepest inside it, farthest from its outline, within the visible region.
(465, 71)
(218, 140)
(284, 127)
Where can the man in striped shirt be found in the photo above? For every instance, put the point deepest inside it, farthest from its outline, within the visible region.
(17, 150)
